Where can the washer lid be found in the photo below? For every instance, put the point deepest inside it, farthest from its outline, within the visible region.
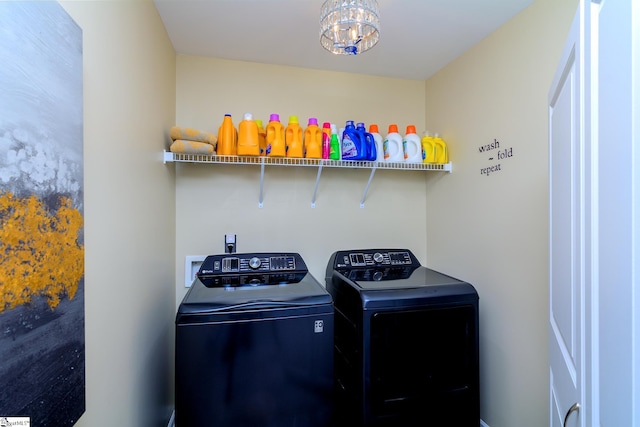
(251, 292)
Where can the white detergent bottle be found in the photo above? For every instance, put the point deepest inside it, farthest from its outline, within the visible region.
(412, 146)
(373, 130)
(392, 145)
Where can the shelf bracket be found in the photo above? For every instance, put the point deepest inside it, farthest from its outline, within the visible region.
(167, 156)
(366, 189)
(315, 190)
(260, 204)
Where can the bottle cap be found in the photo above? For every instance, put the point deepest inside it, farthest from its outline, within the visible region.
(313, 121)
(373, 128)
(393, 128)
(349, 122)
(326, 125)
(248, 116)
(360, 126)
(293, 119)
(334, 128)
(411, 129)
(258, 122)
(274, 118)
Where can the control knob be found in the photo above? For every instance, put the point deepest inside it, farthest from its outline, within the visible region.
(377, 257)
(254, 262)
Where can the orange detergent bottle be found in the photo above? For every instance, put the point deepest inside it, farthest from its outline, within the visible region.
(313, 140)
(275, 137)
(248, 141)
(262, 138)
(227, 137)
(293, 138)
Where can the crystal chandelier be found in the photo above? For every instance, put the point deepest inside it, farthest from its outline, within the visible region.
(349, 27)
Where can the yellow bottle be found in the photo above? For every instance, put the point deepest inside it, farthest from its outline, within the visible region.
(262, 138)
(293, 138)
(313, 140)
(275, 137)
(428, 148)
(227, 137)
(248, 141)
(442, 153)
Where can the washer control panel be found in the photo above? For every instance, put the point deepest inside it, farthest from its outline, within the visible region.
(251, 263)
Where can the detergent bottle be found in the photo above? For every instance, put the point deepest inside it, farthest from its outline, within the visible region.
(335, 147)
(442, 153)
(412, 146)
(262, 138)
(392, 145)
(248, 139)
(313, 140)
(428, 148)
(275, 137)
(227, 137)
(373, 130)
(293, 138)
(352, 147)
(368, 143)
(326, 140)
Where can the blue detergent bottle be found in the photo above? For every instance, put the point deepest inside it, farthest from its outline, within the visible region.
(351, 146)
(368, 143)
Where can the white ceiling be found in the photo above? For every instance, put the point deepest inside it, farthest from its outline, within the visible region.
(417, 37)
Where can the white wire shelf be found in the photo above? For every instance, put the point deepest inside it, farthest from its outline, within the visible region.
(289, 161)
(319, 163)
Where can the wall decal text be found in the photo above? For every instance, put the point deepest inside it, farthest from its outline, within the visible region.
(495, 154)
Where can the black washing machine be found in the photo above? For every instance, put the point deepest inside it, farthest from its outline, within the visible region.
(254, 345)
(406, 342)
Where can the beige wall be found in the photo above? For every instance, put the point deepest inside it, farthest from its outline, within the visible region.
(493, 230)
(129, 104)
(212, 200)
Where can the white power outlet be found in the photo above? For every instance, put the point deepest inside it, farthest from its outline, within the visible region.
(192, 264)
(230, 243)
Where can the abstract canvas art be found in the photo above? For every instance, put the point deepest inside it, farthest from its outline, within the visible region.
(42, 342)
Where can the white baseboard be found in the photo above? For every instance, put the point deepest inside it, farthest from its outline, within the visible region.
(483, 424)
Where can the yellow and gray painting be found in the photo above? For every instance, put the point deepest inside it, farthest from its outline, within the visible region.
(42, 368)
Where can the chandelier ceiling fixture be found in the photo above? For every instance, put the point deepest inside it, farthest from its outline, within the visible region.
(349, 27)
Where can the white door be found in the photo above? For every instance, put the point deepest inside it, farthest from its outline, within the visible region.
(568, 113)
(617, 385)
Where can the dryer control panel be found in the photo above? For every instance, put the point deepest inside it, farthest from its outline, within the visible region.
(374, 257)
(373, 265)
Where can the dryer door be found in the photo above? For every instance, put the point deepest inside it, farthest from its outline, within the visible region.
(424, 367)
